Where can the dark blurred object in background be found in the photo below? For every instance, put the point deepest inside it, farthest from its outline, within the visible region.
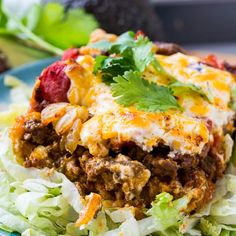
(119, 16)
(197, 21)
(3, 62)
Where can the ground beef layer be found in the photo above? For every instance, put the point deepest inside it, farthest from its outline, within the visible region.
(128, 175)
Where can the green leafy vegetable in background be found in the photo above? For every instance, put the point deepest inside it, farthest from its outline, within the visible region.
(132, 90)
(46, 26)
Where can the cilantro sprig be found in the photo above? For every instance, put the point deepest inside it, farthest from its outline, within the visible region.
(112, 67)
(137, 52)
(132, 90)
(129, 57)
(180, 88)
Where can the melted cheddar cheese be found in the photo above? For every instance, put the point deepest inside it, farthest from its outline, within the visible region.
(185, 132)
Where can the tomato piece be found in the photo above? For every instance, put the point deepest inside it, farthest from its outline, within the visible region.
(213, 61)
(71, 53)
(54, 83)
(139, 33)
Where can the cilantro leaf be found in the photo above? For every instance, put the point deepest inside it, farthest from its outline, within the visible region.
(126, 38)
(142, 53)
(159, 68)
(138, 52)
(103, 45)
(180, 88)
(124, 44)
(112, 67)
(123, 41)
(132, 90)
(98, 63)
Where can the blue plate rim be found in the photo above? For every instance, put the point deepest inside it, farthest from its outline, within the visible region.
(27, 66)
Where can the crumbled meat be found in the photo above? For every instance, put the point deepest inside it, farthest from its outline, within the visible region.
(199, 188)
(161, 167)
(217, 153)
(128, 175)
(116, 173)
(168, 48)
(38, 158)
(37, 133)
(40, 145)
(208, 164)
(186, 161)
(230, 68)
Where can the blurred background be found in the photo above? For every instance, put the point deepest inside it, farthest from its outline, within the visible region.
(35, 29)
(199, 24)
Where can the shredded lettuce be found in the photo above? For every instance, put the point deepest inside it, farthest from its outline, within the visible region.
(164, 218)
(168, 212)
(209, 228)
(34, 202)
(233, 99)
(219, 216)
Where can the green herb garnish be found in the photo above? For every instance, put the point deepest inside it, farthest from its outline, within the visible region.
(123, 71)
(138, 52)
(103, 45)
(179, 88)
(142, 53)
(132, 90)
(112, 67)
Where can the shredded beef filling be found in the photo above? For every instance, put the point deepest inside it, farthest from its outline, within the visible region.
(129, 175)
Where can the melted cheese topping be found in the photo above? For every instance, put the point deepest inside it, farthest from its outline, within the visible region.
(184, 132)
(214, 82)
